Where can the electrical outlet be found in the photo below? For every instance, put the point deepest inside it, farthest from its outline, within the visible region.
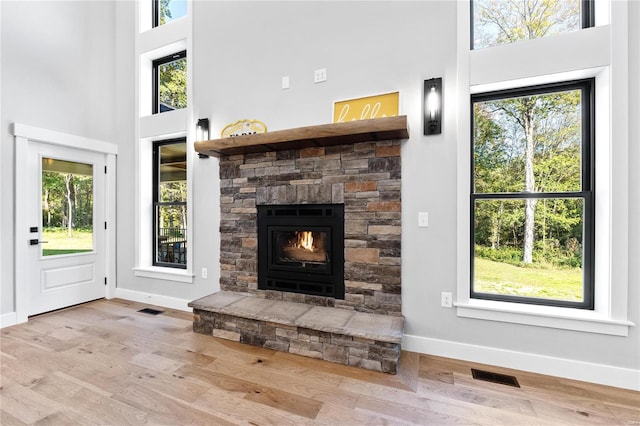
(204, 273)
(320, 75)
(285, 82)
(446, 300)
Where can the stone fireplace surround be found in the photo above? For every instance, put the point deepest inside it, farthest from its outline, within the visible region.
(364, 329)
(365, 177)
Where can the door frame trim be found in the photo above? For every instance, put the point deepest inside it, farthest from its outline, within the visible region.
(23, 135)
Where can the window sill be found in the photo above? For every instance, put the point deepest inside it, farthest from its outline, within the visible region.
(168, 274)
(543, 316)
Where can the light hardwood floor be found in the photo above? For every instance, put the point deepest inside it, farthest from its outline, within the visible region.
(105, 363)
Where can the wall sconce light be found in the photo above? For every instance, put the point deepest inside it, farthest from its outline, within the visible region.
(202, 133)
(433, 106)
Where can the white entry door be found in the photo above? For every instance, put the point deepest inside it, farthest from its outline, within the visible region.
(66, 200)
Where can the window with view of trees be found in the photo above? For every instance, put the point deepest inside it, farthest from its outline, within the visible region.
(497, 22)
(170, 82)
(170, 203)
(165, 11)
(532, 207)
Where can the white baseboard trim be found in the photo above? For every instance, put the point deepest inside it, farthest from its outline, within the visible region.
(7, 320)
(153, 299)
(560, 367)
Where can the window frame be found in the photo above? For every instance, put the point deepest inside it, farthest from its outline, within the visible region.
(155, 14)
(156, 204)
(587, 19)
(155, 79)
(586, 193)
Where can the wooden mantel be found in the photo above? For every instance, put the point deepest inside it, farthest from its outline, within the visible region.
(377, 129)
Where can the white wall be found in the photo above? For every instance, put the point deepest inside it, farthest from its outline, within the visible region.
(57, 73)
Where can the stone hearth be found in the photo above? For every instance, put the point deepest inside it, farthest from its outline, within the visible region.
(338, 335)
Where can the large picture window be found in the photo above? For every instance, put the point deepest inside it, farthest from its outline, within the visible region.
(497, 22)
(532, 201)
(170, 203)
(170, 82)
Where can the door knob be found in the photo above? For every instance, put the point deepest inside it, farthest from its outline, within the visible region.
(36, 242)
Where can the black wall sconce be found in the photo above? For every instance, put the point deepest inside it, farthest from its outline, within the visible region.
(433, 106)
(202, 133)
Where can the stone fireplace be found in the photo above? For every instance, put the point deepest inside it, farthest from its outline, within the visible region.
(312, 233)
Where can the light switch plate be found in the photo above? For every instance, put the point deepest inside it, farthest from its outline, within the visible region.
(423, 219)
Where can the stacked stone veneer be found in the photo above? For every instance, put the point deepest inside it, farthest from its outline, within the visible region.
(339, 348)
(365, 177)
(345, 337)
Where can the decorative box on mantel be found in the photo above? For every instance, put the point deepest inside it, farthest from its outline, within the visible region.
(355, 165)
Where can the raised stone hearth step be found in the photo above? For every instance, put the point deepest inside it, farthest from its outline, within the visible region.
(370, 341)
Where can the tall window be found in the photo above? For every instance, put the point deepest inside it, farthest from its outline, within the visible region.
(170, 203)
(496, 22)
(170, 82)
(165, 11)
(532, 207)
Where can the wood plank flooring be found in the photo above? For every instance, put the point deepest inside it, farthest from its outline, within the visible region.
(105, 363)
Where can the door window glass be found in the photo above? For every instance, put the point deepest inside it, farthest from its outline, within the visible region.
(67, 207)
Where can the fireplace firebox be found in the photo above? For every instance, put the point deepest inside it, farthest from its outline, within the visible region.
(301, 249)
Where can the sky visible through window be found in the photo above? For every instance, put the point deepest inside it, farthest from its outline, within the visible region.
(498, 22)
(171, 10)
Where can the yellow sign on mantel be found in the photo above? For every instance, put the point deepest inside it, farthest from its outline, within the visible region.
(386, 105)
(243, 128)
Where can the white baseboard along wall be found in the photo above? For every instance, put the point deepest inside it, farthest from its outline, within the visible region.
(560, 367)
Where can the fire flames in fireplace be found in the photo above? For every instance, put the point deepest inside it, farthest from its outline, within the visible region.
(304, 246)
(305, 240)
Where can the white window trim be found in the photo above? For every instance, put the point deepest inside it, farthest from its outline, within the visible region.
(163, 273)
(610, 67)
(145, 73)
(154, 43)
(144, 207)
